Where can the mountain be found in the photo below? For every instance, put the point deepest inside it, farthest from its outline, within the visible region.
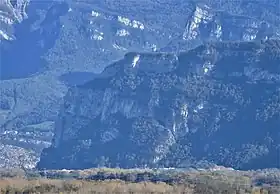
(58, 44)
(28, 105)
(217, 103)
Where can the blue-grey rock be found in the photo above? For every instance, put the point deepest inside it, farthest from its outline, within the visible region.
(46, 47)
(218, 102)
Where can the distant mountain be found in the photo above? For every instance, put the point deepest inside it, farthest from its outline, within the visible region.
(228, 21)
(58, 44)
(217, 103)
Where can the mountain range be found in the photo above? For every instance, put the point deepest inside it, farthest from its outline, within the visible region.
(62, 47)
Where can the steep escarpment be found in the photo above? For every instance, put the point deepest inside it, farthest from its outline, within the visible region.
(239, 20)
(218, 103)
(69, 41)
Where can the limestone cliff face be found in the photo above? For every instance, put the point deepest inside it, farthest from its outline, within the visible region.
(217, 103)
(205, 23)
(11, 12)
(227, 21)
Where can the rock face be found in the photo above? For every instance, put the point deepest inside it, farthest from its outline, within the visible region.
(207, 24)
(11, 12)
(217, 103)
(228, 21)
(70, 41)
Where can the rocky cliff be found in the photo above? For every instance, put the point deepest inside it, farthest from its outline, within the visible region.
(217, 103)
(11, 12)
(228, 21)
(69, 41)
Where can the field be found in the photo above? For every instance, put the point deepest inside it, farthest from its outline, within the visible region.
(104, 180)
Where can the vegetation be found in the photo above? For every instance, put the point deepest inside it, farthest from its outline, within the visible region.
(106, 180)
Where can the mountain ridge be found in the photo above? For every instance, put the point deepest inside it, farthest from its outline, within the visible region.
(70, 42)
(133, 116)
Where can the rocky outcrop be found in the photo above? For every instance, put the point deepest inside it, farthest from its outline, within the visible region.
(217, 103)
(229, 21)
(11, 12)
(207, 24)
